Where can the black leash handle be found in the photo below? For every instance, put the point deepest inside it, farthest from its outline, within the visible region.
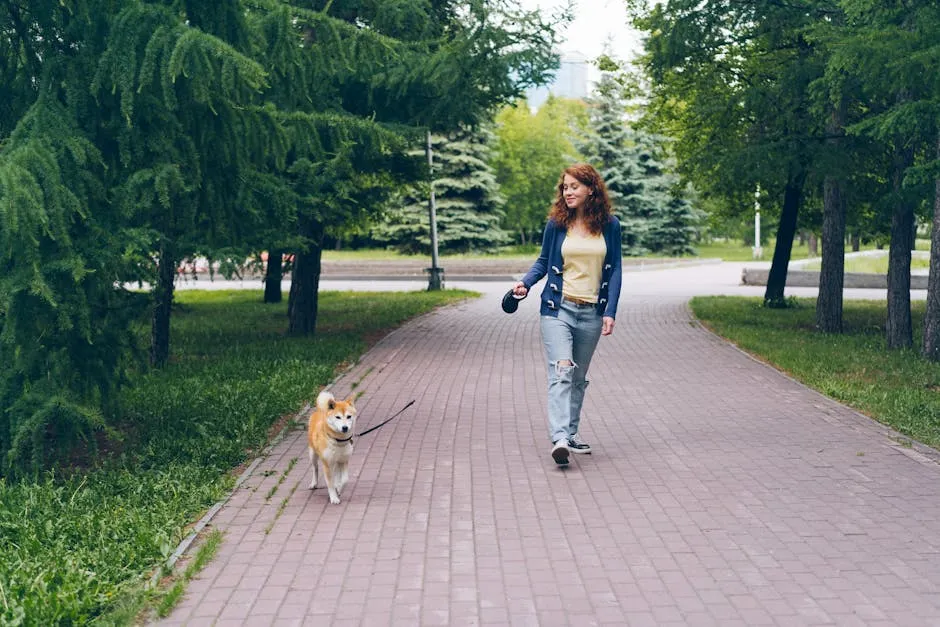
(386, 420)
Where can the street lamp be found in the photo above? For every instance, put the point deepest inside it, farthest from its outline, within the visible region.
(757, 250)
(435, 273)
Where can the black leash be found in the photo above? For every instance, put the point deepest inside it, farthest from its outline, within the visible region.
(387, 420)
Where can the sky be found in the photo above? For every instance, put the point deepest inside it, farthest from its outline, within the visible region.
(595, 22)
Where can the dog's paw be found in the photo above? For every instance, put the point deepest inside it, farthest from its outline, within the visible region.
(334, 494)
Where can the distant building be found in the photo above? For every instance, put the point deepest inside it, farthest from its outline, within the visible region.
(571, 81)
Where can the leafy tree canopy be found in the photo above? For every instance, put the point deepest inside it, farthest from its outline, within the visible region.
(531, 151)
(133, 134)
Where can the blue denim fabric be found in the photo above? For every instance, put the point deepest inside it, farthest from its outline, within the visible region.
(572, 336)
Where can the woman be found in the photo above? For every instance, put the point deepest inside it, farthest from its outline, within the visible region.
(582, 258)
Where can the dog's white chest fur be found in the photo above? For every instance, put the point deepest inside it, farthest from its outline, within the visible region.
(337, 452)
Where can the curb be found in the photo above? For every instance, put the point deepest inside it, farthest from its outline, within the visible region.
(502, 276)
(915, 450)
(810, 278)
(168, 567)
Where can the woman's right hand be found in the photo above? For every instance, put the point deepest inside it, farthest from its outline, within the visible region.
(519, 289)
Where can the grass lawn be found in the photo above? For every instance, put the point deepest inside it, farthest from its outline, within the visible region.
(78, 549)
(381, 254)
(736, 251)
(729, 251)
(732, 250)
(898, 388)
(364, 254)
(872, 265)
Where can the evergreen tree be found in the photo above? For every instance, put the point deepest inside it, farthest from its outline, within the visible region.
(469, 206)
(65, 338)
(610, 147)
(678, 226)
(436, 66)
(653, 209)
(672, 223)
(135, 134)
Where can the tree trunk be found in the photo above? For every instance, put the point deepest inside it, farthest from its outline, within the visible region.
(898, 329)
(856, 242)
(273, 275)
(786, 229)
(932, 317)
(305, 283)
(832, 272)
(812, 244)
(162, 307)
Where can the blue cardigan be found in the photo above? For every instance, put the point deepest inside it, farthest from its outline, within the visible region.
(551, 262)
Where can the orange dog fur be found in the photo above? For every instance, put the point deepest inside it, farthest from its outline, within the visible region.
(330, 441)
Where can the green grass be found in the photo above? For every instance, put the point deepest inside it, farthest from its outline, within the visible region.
(898, 388)
(728, 250)
(365, 254)
(733, 251)
(206, 551)
(78, 549)
(872, 265)
(380, 254)
(736, 251)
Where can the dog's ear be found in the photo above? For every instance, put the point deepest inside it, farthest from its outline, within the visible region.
(349, 401)
(331, 404)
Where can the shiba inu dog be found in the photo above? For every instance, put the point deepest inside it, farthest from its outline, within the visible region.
(330, 441)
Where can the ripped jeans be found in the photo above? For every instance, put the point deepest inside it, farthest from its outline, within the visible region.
(571, 337)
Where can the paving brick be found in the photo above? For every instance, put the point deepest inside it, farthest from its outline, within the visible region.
(720, 492)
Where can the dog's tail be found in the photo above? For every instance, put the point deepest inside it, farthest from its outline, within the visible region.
(325, 401)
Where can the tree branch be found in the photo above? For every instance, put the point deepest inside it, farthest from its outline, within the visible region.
(22, 31)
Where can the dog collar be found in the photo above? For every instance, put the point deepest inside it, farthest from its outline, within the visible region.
(349, 439)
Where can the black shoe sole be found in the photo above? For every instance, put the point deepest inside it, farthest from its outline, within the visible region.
(560, 455)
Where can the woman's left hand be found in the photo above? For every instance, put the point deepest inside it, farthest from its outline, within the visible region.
(608, 326)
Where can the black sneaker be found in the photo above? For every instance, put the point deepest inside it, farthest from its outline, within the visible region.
(577, 445)
(560, 452)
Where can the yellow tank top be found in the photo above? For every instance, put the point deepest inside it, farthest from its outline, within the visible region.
(584, 259)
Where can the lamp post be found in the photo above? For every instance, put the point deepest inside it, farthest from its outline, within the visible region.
(757, 250)
(435, 272)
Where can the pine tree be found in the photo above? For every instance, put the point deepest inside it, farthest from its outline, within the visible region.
(135, 134)
(436, 67)
(469, 206)
(672, 222)
(654, 212)
(610, 147)
(65, 338)
(678, 226)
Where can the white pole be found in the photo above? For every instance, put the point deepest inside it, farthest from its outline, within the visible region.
(757, 250)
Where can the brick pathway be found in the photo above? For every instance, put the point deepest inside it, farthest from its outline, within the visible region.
(719, 493)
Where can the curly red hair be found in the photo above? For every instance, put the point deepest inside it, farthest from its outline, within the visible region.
(597, 210)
